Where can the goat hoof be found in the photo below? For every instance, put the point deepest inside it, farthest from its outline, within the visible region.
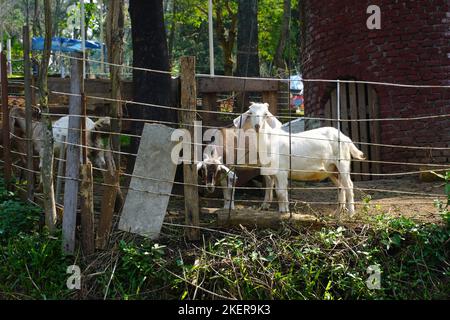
(264, 206)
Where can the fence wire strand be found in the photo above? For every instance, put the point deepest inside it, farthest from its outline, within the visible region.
(439, 167)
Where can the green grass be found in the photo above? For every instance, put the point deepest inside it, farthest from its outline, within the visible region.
(330, 263)
(32, 265)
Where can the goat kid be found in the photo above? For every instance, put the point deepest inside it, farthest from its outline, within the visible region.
(315, 155)
(214, 172)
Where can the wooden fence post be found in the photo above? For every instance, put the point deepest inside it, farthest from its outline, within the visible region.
(110, 177)
(28, 112)
(114, 39)
(86, 189)
(73, 158)
(87, 209)
(60, 172)
(5, 110)
(189, 102)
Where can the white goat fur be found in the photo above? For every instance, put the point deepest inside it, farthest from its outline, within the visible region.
(315, 156)
(60, 132)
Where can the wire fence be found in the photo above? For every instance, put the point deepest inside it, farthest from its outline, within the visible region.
(430, 167)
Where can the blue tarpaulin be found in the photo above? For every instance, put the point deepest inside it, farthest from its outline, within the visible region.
(64, 44)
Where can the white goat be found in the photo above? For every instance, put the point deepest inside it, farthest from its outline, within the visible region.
(214, 172)
(315, 155)
(94, 139)
(60, 132)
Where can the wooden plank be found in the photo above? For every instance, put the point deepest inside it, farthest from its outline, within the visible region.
(206, 84)
(7, 166)
(188, 101)
(209, 104)
(28, 112)
(87, 209)
(94, 87)
(271, 97)
(362, 111)
(374, 129)
(344, 109)
(354, 125)
(73, 159)
(252, 218)
(327, 123)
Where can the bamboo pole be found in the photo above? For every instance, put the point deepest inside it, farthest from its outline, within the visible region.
(59, 179)
(9, 48)
(86, 190)
(47, 158)
(87, 209)
(28, 112)
(5, 130)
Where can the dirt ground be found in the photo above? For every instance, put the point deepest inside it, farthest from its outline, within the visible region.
(415, 199)
(319, 197)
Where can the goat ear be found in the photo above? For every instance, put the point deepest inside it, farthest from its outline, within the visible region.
(266, 105)
(106, 121)
(273, 122)
(224, 168)
(214, 153)
(239, 121)
(199, 165)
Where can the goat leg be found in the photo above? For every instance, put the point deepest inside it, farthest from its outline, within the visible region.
(269, 184)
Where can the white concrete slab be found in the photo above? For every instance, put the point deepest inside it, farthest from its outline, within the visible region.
(144, 210)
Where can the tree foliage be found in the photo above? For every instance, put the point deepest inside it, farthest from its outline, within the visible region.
(191, 23)
(186, 23)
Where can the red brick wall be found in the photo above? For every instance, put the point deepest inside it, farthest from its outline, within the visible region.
(412, 47)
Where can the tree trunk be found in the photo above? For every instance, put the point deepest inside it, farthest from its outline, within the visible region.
(226, 42)
(47, 161)
(172, 30)
(55, 30)
(278, 60)
(114, 41)
(149, 51)
(36, 21)
(247, 64)
(247, 39)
